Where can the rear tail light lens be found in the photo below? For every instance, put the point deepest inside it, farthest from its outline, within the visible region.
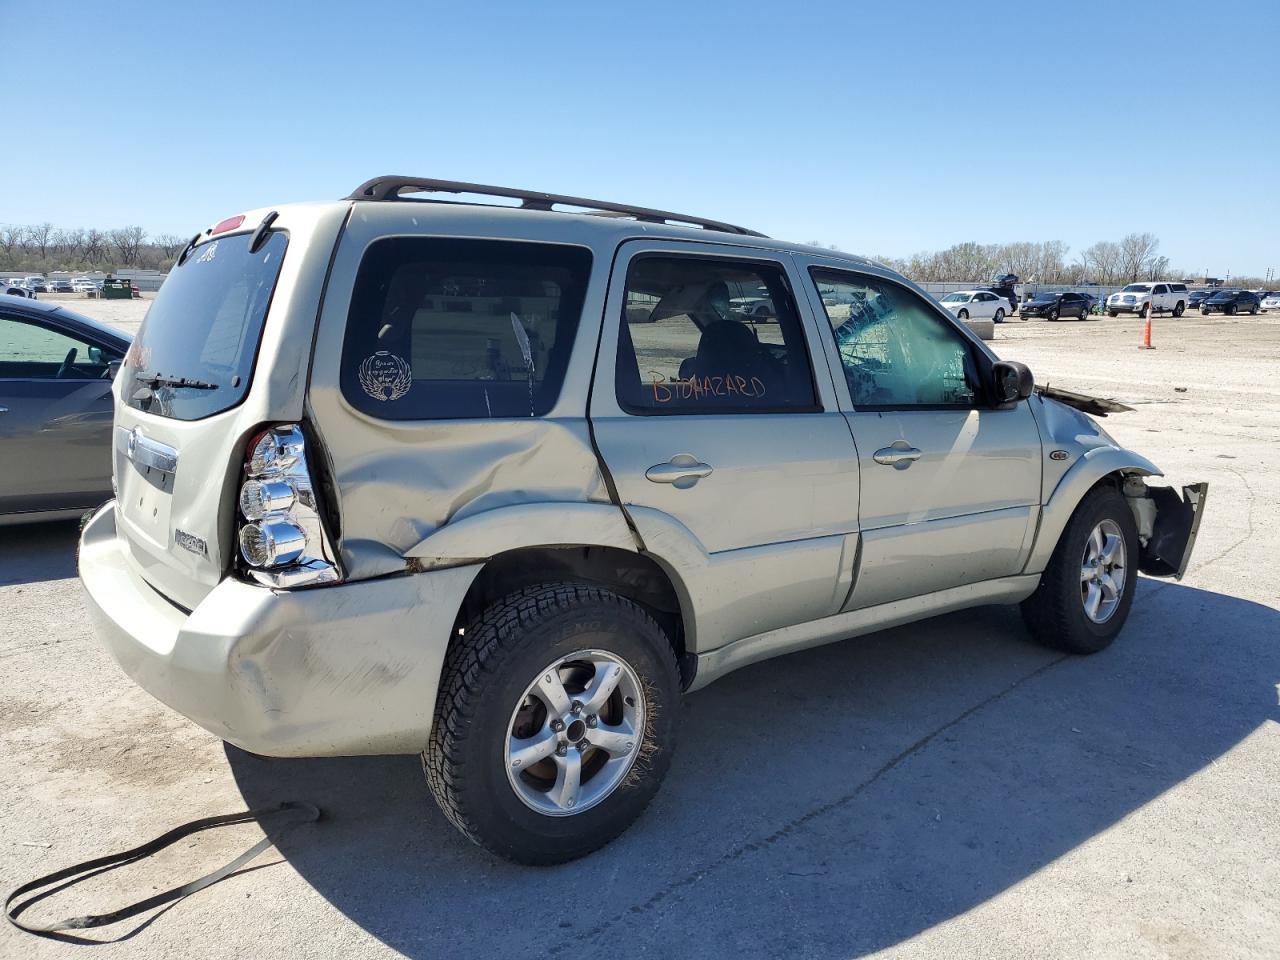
(282, 537)
(272, 543)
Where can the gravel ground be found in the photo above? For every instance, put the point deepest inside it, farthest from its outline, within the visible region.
(940, 790)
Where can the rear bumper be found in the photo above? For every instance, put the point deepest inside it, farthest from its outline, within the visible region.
(338, 670)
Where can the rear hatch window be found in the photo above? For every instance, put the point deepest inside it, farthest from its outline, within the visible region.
(194, 354)
(457, 329)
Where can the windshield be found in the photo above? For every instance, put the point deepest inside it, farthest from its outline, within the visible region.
(956, 298)
(194, 353)
(1045, 297)
(1137, 288)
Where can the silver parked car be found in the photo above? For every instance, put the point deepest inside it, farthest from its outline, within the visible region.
(499, 484)
(55, 410)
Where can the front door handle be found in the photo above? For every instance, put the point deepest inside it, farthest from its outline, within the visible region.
(682, 471)
(899, 456)
(4, 409)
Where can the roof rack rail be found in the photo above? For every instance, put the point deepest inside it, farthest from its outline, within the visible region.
(390, 188)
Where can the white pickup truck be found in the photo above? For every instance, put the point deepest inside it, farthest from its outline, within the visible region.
(1140, 298)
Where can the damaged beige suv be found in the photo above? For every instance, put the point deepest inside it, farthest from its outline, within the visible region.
(496, 478)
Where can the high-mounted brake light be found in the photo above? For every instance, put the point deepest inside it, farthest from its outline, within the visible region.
(282, 537)
(228, 224)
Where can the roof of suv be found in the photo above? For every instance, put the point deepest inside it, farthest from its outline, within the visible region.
(606, 216)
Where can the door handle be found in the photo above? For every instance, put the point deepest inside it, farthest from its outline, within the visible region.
(899, 455)
(682, 471)
(4, 409)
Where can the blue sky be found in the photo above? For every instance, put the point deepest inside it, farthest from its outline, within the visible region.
(884, 129)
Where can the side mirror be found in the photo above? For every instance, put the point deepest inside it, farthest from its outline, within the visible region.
(113, 368)
(1012, 381)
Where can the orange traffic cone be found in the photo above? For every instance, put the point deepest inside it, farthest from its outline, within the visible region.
(1146, 332)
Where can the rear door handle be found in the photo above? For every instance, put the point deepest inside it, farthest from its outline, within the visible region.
(682, 471)
(899, 456)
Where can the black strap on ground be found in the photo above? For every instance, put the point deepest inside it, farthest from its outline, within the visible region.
(299, 812)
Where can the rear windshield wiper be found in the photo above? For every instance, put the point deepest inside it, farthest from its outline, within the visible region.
(160, 380)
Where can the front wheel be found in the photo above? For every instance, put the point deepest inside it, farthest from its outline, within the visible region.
(1180, 309)
(1053, 314)
(999, 317)
(555, 722)
(1229, 309)
(1113, 314)
(1084, 313)
(1204, 311)
(962, 315)
(1145, 312)
(1086, 590)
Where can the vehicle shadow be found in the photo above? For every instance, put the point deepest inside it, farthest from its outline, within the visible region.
(828, 804)
(38, 551)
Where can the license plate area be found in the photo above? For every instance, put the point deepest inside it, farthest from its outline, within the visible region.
(145, 496)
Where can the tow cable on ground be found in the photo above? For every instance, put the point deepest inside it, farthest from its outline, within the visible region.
(302, 813)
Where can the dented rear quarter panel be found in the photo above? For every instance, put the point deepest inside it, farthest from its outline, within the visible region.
(400, 481)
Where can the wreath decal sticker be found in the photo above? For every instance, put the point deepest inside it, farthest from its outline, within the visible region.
(384, 376)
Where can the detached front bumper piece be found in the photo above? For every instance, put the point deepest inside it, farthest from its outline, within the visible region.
(339, 670)
(1173, 535)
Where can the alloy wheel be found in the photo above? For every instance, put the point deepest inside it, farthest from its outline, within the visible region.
(575, 733)
(1103, 571)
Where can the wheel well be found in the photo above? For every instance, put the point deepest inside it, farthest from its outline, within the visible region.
(632, 575)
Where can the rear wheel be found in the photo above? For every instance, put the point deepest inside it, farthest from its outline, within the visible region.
(1087, 589)
(1254, 310)
(1084, 313)
(1229, 309)
(555, 722)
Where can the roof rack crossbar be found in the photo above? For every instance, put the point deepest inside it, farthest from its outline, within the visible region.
(390, 188)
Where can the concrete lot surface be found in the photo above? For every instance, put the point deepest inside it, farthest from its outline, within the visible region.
(941, 790)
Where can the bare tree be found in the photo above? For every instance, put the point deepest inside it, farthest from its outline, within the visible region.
(69, 244)
(127, 240)
(40, 238)
(95, 246)
(171, 244)
(12, 239)
(1137, 254)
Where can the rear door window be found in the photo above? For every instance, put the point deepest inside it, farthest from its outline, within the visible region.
(194, 354)
(462, 329)
(711, 336)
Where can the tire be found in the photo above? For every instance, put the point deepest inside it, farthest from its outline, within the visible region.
(1229, 309)
(1056, 613)
(999, 317)
(1084, 313)
(1180, 309)
(491, 692)
(1113, 314)
(1145, 312)
(1253, 311)
(962, 315)
(1052, 314)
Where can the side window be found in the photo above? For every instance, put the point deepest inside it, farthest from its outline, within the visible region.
(30, 351)
(896, 351)
(462, 329)
(710, 336)
(1160, 288)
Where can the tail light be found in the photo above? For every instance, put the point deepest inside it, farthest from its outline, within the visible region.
(282, 537)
